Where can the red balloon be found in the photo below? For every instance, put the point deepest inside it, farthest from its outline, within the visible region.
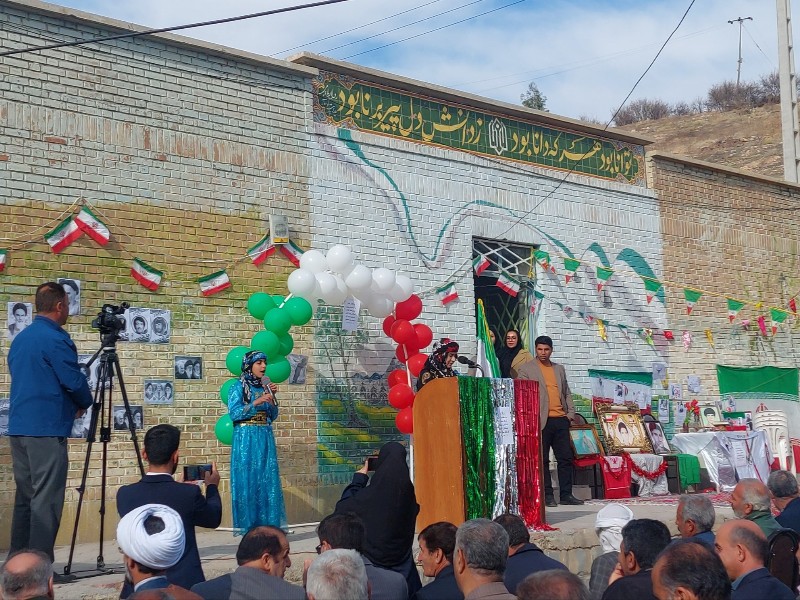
(401, 396)
(409, 309)
(424, 334)
(400, 353)
(416, 364)
(403, 332)
(405, 421)
(398, 376)
(387, 325)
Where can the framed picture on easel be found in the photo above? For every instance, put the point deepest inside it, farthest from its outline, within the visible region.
(585, 441)
(623, 429)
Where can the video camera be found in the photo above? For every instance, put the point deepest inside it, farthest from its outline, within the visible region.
(110, 319)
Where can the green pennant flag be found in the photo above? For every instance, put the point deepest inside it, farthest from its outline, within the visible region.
(651, 287)
(603, 274)
(570, 266)
(487, 358)
(734, 306)
(778, 315)
(692, 297)
(543, 258)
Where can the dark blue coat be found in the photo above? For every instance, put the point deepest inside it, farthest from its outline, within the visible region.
(218, 588)
(528, 559)
(188, 501)
(790, 517)
(760, 584)
(443, 587)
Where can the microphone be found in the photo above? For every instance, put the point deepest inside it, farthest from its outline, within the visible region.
(472, 364)
(265, 384)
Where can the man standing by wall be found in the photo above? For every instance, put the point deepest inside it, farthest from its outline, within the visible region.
(48, 392)
(556, 411)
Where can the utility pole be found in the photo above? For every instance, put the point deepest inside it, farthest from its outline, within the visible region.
(790, 128)
(740, 21)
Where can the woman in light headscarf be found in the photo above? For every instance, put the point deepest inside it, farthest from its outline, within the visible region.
(257, 498)
(608, 526)
(440, 362)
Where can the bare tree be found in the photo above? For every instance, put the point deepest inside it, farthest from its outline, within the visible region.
(643, 109)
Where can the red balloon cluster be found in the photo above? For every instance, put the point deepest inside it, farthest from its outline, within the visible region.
(410, 339)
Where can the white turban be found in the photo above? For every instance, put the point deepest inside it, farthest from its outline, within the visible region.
(609, 523)
(158, 551)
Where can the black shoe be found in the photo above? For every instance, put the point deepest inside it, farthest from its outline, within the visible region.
(571, 500)
(63, 578)
(550, 501)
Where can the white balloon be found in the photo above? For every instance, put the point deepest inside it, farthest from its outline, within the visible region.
(301, 283)
(365, 296)
(339, 258)
(380, 306)
(406, 285)
(346, 270)
(339, 295)
(327, 284)
(360, 278)
(384, 278)
(314, 261)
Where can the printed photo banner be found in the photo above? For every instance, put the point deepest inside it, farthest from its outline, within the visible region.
(620, 387)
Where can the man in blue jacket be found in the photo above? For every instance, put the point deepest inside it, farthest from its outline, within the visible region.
(48, 392)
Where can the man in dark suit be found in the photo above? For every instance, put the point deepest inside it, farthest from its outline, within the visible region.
(742, 547)
(556, 412)
(783, 487)
(158, 487)
(263, 557)
(642, 541)
(346, 531)
(524, 558)
(436, 545)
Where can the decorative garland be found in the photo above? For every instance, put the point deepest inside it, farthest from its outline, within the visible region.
(649, 475)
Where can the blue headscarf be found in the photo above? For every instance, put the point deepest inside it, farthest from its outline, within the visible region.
(248, 379)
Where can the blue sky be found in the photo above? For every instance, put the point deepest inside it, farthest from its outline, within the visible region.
(583, 55)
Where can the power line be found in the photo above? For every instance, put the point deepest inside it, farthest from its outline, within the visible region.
(134, 34)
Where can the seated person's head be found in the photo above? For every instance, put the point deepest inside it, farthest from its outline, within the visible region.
(642, 541)
(26, 574)
(518, 533)
(161, 444)
(341, 530)
(553, 584)
(782, 485)
(436, 545)
(265, 548)
(687, 567)
(152, 539)
(695, 514)
(481, 551)
(337, 575)
(609, 523)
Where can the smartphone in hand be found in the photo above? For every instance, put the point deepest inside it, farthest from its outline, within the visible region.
(195, 472)
(372, 462)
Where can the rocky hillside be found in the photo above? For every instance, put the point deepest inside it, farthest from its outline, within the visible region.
(748, 139)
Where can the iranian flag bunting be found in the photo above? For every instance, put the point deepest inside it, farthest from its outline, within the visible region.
(603, 275)
(692, 297)
(145, 274)
(293, 252)
(216, 282)
(508, 284)
(793, 305)
(542, 257)
(92, 226)
(486, 358)
(778, 316)
(261, 251)
(447, 293)
(537, 298)
(651, 287)
(479, 264)
(63, 235)
(3, 260)
(734, 306)
(570, 266)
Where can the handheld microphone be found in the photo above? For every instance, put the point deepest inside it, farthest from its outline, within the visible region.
(265, 383)
(465, 361)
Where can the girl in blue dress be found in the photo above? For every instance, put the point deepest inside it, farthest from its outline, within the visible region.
(257, 498)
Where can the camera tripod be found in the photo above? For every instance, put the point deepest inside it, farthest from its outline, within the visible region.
(102, 414)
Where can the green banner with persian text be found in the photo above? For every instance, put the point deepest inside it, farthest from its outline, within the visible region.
(344, 101)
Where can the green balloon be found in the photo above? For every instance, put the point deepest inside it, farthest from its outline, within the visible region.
(279, 370)
(259, 304)
(278, 299)
(234, 359)
(225, 390)
(224, 430)
(286, 344)
(277, 321)
(300, 310)
(266, 341)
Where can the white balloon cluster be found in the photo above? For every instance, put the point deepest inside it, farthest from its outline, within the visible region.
(335, 276)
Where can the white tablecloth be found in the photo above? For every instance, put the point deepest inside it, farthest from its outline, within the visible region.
(728, 455)
(649, 487)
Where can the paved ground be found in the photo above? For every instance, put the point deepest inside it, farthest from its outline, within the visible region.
(217, 548)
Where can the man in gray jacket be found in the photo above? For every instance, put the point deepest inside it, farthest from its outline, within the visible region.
(556, 412)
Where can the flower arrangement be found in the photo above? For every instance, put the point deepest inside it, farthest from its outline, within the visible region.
(692, 411)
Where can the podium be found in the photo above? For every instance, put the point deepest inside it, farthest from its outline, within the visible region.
(503, 474)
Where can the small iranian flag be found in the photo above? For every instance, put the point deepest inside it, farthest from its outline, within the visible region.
(216, 282)
(92, 226)
(570, 266)
(293, 252)
(692, 297)
(734, 306)
(651, 287)
(63, 235)
(3, 259)
(447, 293)
(145, 274)
(793, 305)
(508, 284)
(778, 316)
(261, 251)
(537, 300)
(603, 275)
(479, 264)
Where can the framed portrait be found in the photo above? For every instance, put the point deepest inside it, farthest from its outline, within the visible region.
(82, 425)
(138, 324)
(189, 367)
(73, 289)
(623, 429)
(159, 326)
(710, 415)
(121, 419)
(655, 432)
(585, 441)
(158, 391)
(20, 315)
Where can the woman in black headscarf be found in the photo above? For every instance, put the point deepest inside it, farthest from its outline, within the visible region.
(440, 362)
(388, 506)
(513, 353)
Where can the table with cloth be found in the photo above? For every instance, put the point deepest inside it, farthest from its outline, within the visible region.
(649, 463)
(728, 455)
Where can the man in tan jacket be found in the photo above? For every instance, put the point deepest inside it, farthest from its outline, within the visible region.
(556, 412)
